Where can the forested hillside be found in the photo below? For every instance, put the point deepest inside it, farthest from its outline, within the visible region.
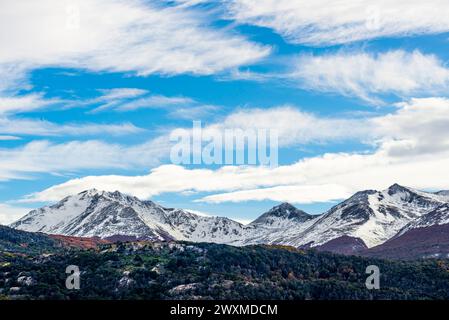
(147, 270)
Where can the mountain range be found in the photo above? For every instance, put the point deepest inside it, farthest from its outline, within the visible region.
(368, 223)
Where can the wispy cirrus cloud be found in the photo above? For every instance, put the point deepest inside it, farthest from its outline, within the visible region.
(128, 99)
(42, 156)
(294, 126)
(8, 138)
(110, 98)
(22, 104)
(25, 103)
(116, 99)
(370, 76)
(120, 36)
(137, 37)
(328, 22)
(33, 127)
(194, 112)
(154, 101)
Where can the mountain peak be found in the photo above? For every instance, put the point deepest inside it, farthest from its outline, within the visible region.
(89, 191)
(286, 206)
(112, 195)
(283, 211)
(395, 188)
(287, 210)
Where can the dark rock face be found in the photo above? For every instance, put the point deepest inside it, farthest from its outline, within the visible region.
(355, 208)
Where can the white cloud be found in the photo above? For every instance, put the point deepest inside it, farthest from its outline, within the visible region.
(154, 101)
(109, 95)
(110, 99)
(46, 157)
(117, 35)
(8, 138)
(294, 127)
(9, 214)
(20, 126)
(370, 75)
(137, 36)
(327, 22)
(404, 155)
(347, 173)
(31, 102)
(178, 107)
(25, 103)
(411, 141)
(295, 194)
(193, 112)
(10, 104)
(418, 127)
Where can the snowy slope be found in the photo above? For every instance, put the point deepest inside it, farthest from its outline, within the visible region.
(443, 194)
(102, 214)
(50, 219)
(372, 216)
(275, 225)
(439, 216)
(107, 214)
(198, 228)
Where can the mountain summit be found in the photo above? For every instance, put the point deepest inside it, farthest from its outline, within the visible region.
(282, 212)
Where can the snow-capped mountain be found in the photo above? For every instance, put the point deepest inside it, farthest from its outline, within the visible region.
(95, 213)
(102, 214)
(279, 216)
(277, 224)
(372, 216)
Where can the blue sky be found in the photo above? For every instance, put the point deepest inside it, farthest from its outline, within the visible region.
(91, 90)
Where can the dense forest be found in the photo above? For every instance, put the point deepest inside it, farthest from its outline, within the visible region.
(144, 270)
